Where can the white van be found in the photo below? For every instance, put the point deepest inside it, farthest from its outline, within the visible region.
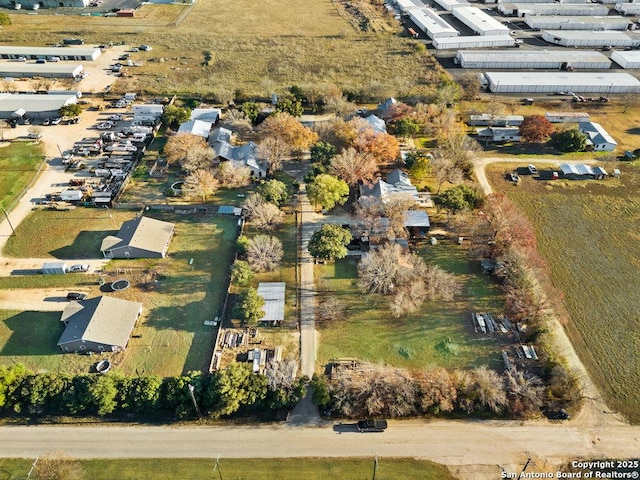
(54, 59)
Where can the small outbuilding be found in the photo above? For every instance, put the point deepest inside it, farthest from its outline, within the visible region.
(142, 237)
(101, 324)
(567, 117)
(198, 128)
(498, 134)
(274, 299)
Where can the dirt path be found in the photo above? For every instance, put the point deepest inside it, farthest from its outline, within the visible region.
(595, 411)
(36, 299)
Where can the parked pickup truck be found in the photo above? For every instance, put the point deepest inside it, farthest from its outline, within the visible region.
(372, 425)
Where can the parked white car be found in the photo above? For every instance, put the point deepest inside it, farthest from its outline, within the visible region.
(80, 268)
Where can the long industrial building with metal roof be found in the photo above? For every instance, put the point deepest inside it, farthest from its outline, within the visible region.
(530, 59)
(473, 41)
(480, 22)
(430, 23)
(14, 52)
(45, 70)
(627, 59)
(550, 82)
(524, 9)
(32, 105)
(567, 22)
(577, 38)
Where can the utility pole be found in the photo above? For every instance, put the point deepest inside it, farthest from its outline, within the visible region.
(525, 465)
(32, 467)
(217, 467)
(375, 467)
(9, 221)
(195, 404)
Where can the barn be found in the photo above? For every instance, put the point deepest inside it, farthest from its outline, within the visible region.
(142, 237)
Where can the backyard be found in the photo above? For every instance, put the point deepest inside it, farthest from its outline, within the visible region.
(440, 335)
(178, 293)
(587, 230)
(19, 163)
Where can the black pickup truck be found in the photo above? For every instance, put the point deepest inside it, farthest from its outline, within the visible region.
(371, 425)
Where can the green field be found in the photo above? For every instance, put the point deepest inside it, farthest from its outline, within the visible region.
(369, 332)
(19, 163)
(589, 231)
(237, 469)
(178, 294)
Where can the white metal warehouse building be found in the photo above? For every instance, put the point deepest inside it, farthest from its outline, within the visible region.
(577, 38)
(530, 59)
(550, 82)
(45, 70)
(627, 59)
(11, 52)
(34, 105)
(484, 41)
(563, 22)
(430, 23)
(449, 5)
(523, 9)
(628, 8)
(406, 6)
(480, 22)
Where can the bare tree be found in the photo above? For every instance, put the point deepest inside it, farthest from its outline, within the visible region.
(274, 150)
(233, 174)
(396, 209)
(252, 202)
(237, 121)
(379, 270)
(266, 216)
(199, 157)
(339, 105)
(200, 183)
(178, 146)
(264, 253)
(628, 100)
(408, 298)
(330, 308)
(368, 213)
(281, 374)
(524, 391)
(480, 389)
(440, 285)
(57, 466)
(438, 390)
(444, 169)
(353, 167)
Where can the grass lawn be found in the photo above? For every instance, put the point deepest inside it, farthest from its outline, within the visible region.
(72, 234)
(369, 332)
(236, 469)
(588, 232)
(19, 162)
(178, 294)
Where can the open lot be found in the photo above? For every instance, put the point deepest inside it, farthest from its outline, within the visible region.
(369, 332)
(587, 231)
(178, 293)
(256, 49)
(284, 469)
(19, 163)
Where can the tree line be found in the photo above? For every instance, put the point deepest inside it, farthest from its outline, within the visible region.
(234, 390)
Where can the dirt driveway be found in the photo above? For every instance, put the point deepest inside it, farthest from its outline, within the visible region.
(36, 299)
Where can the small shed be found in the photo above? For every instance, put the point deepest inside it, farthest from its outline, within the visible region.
(229, 210)
(273, 294)
(54, 268)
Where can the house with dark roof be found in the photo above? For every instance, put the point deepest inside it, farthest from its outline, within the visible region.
(101, 324)
(397, 184)
(245, 154)
(141, 237)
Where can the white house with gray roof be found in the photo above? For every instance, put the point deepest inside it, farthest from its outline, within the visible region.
(245, 154)
(397, 184)
(597, 136)
(101, 324)
(141, 237)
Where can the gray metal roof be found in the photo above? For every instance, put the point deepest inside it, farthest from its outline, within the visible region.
(568, 19)
(47, 51)
(562, 78)
(533, 55)
(32, 103)
(273, 294)
(105, 320)
(580, 34)
(417, 218)
(143, 233)
(8, 69)
(199, 128)
(629, 56)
